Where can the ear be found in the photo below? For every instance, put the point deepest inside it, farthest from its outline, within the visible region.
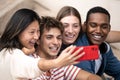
(84, 27)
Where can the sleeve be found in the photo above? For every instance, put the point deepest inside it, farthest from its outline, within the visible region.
(23, 66)
(113, 65)
(71, 72)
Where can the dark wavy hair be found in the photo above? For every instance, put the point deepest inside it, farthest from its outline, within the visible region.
(48, 22)
(20, 20)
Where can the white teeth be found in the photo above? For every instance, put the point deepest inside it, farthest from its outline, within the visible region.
(70, 36)
(33, 42)
(53, 48)
(96, 36)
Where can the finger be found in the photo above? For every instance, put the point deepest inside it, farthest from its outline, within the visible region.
(76, 62)
(78, 51)
(79, 56)
(68, 48)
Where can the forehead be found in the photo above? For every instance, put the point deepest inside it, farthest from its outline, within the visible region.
(52, 31)
(33, 24)
(98, 18)
(70, 19)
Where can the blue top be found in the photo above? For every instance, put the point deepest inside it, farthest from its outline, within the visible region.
(110, 64)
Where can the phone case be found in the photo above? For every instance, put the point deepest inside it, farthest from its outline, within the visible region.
(91, 52)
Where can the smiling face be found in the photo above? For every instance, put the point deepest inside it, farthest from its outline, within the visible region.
(50, 43)
(30, 35)
(97, 27)
(71, 29)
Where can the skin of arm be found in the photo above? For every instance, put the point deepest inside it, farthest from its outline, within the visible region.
(65, 58)
(113, 37)
(84, 75)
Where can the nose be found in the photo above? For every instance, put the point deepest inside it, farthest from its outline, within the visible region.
(70, 30)
(36, 36)
(55, 41)
(98, 29)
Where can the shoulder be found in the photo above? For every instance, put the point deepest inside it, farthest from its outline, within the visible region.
(9, 51)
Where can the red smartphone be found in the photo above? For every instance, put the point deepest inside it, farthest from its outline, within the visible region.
(91, 52)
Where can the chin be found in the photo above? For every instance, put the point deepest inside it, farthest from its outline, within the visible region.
(71, 42)
(54, 54)
(96, 43)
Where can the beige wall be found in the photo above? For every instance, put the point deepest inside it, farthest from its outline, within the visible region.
(113, 6)
(51, 7)
(83, 5)
(8, 7)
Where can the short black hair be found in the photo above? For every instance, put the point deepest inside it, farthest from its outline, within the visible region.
(97, 9)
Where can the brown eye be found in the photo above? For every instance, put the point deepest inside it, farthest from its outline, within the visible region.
(59, 37)
(48, 37)
(65, 25)
(105, 26)
(93, 24)
(76, 26)
(32, 32)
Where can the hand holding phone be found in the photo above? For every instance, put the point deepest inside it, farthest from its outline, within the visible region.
(91, 52)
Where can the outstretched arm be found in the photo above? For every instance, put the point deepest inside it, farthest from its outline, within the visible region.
(84, 75)
(65, 58)
(113, 36)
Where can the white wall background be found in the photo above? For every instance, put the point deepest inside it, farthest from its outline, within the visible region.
(51, 8)
(113, 6)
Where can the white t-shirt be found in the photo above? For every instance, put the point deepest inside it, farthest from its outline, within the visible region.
(15, 64)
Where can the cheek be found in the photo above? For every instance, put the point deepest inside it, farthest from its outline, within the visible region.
(22, 38)
(88, 29)
(24, 35)
(106, 32)
(66, 29)
(25, 40)
(77, 31)
(45, 43)
(64, 32)
(60, 42)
